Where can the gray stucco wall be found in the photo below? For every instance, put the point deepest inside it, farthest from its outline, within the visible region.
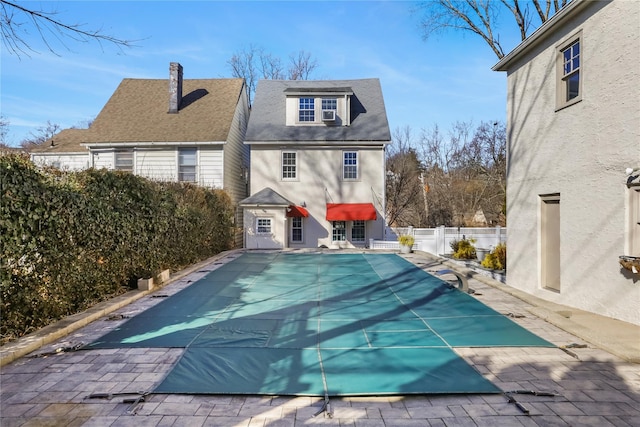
(580, 152)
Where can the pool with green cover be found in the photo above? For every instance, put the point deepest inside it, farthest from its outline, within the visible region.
(320, 324)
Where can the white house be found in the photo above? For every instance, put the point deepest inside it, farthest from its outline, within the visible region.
(317, 164)
(573, 119)
(174, 129)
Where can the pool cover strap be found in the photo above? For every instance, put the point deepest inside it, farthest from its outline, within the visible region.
(320, 325)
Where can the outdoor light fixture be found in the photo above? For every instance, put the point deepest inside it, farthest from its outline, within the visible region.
(629, 171)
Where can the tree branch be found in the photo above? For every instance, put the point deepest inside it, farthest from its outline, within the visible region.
(46, 27)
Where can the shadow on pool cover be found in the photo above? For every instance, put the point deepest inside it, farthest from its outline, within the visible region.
(320, 324)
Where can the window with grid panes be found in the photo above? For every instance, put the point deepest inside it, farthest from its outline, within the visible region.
(357, 231)
(306, 110)
(350, 165)
(296, 229)
(289, 166)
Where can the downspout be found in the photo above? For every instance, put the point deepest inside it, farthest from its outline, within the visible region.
(384, 192)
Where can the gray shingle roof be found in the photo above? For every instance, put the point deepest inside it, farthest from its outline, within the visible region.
(266, 197)
(368, 114)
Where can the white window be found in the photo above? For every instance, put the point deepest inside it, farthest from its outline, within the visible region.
(289, 165)
(569, 86)
(339, 233)
(357, 231)
(306, 110)
(187, 164)
(296, 229)
(263, 225)
(329, 104)
(124, 160)
(350, 165)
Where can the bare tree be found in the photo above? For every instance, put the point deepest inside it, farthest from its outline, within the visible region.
(40, 136)
(481, 17)
(4, 130)
(406, 198)
(465, 172)
(255, 63)
(18, 24)
(301, 66)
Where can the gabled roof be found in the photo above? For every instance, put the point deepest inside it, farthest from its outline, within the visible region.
(137, 112)
(65, 141)
(265, 197)
(368, 114)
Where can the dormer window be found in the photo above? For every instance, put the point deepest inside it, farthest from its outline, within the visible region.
(318, 106)
(306, 112)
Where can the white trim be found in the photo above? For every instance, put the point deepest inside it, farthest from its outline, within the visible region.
(108, 145)
(538, 35)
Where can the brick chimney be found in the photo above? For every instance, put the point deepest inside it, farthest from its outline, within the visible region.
(175, 87)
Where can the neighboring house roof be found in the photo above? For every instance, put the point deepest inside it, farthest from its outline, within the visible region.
(564, 14)
(137, 112)
(64, 142)
(265, 197)
(368, 113)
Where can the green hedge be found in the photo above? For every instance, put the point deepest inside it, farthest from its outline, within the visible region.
(72, 239)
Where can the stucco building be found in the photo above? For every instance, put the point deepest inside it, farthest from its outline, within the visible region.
(573, 119)
(317, 164)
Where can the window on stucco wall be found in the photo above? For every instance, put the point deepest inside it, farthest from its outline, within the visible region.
(569, 71)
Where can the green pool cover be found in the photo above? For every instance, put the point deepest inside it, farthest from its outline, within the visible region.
(322, 325)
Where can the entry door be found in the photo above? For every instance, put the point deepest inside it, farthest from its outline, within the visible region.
(550, 242)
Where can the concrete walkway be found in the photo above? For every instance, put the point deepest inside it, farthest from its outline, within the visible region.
(591, 380)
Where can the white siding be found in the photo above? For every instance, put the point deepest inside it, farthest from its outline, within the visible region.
(102, 159)
(210, 167)
(580, 152)
(236, 162)
(66, 161)
(236, 153)
(157, 164)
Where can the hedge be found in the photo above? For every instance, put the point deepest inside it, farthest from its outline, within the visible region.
(72, 239)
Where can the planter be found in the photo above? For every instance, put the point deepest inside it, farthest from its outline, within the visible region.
(145, 284)
(481, 253)
(404, 249)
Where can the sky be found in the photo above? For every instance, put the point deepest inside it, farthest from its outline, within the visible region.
(438, 81)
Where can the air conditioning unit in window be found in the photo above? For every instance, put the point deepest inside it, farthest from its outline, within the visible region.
(328, 115)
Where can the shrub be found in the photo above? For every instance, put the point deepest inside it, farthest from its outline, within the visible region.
(406, 240)
(71, 239)
(463, 249)
(497, 259)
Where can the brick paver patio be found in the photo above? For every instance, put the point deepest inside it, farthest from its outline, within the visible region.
(590, 387)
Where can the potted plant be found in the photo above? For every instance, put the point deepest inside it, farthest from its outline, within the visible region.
(481, 253)
(406, 243)
(464, 248)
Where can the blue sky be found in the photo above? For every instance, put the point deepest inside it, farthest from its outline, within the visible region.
(438, 81)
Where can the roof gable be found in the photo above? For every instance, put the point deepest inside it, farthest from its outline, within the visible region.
(267, 196)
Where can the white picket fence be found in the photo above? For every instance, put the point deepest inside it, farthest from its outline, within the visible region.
(437, 240)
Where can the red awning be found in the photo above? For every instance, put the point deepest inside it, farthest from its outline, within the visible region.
(294, 211)
(351, 212)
